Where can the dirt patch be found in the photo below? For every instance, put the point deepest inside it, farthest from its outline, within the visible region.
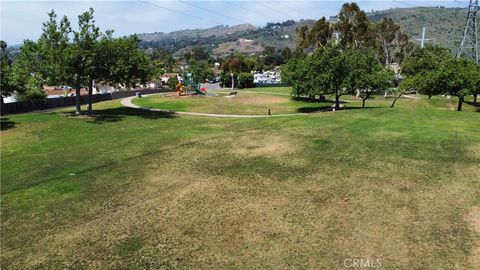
(252, 99)
(473, 218)
(263, 146)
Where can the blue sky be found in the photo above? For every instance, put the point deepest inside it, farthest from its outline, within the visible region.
(23, 19)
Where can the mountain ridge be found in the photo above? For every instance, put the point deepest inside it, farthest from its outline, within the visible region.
(443, 27)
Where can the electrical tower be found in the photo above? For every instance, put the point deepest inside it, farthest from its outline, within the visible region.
(469, 42)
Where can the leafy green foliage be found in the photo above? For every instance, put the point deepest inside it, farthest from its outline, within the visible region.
(6, 85)
(200, 71)
(27, 73)
(172, 82)
(245, 80)
(226, 79)
(434, 71)
(393, 45)
(316, 37)
(335, 70)
(63, 56)
(353, 26)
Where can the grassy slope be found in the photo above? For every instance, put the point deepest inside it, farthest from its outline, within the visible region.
(153, 190)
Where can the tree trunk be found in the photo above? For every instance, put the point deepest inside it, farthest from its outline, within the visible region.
(364, 99)
(475, 98)
(78, 110)
(395, 100)
(429, 96)
(90, 91)
(337, 102)
(460, 102)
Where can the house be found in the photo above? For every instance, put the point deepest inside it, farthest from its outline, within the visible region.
(268, 77)
(166, 76)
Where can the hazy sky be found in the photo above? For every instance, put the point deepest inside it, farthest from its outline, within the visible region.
(23, 19)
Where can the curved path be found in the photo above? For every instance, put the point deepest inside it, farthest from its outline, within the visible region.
(127, 102)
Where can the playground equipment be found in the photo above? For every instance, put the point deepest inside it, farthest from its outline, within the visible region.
(188, 87)
(179, 87)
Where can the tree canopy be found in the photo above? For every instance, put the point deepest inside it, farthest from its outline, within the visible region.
(335, 70)
(63, 56)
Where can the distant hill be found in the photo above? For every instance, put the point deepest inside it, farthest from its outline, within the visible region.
(444, 26)
(223, 40)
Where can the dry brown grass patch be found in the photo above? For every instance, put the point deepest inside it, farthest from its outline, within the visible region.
(255, 99)
(263, 145)
(473, 218)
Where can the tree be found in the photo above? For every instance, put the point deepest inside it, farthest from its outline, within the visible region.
(459, 77)
(53, 46)
(438, 72)
(83, 55)
(333, 70)
(26, 72)
(353, 26)
(421, 70)
(163, 59)
(476, 89)
(245, 80)
(6, 85)
(300, 75)
(316, 37)
(391, 41)
(201, 71)
(366, 75)
(198, 53)
(237, 63)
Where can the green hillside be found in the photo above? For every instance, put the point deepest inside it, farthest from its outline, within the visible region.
(444, 27)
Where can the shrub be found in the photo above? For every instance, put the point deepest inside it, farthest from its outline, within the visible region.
(172, 82)
(245, 80)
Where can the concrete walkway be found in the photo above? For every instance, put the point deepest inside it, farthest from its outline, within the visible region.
(127, 102)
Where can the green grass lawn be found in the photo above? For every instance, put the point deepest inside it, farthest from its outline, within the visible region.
(244, 103)
(130, 189)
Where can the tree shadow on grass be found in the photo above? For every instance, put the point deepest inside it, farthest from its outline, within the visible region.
(117, 114)
(316, 100)
(6, 124)
(476, 105)
(314, 109)
(329, 108)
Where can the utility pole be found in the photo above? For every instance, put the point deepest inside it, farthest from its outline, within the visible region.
(469, 42)
(233, 81)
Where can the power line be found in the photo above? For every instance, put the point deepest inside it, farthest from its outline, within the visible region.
(213, 12)
(276, 10)
(180, 12)
(405, 3)
(247, 9)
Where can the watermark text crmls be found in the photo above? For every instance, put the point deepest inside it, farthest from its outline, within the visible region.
(362, 263)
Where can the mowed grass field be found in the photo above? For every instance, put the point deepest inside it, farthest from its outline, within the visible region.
(130, 189)
(246, 102)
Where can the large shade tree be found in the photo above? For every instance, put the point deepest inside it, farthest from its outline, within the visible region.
(434, 71)
(335, 70)
(353, 26)
(63, 56)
